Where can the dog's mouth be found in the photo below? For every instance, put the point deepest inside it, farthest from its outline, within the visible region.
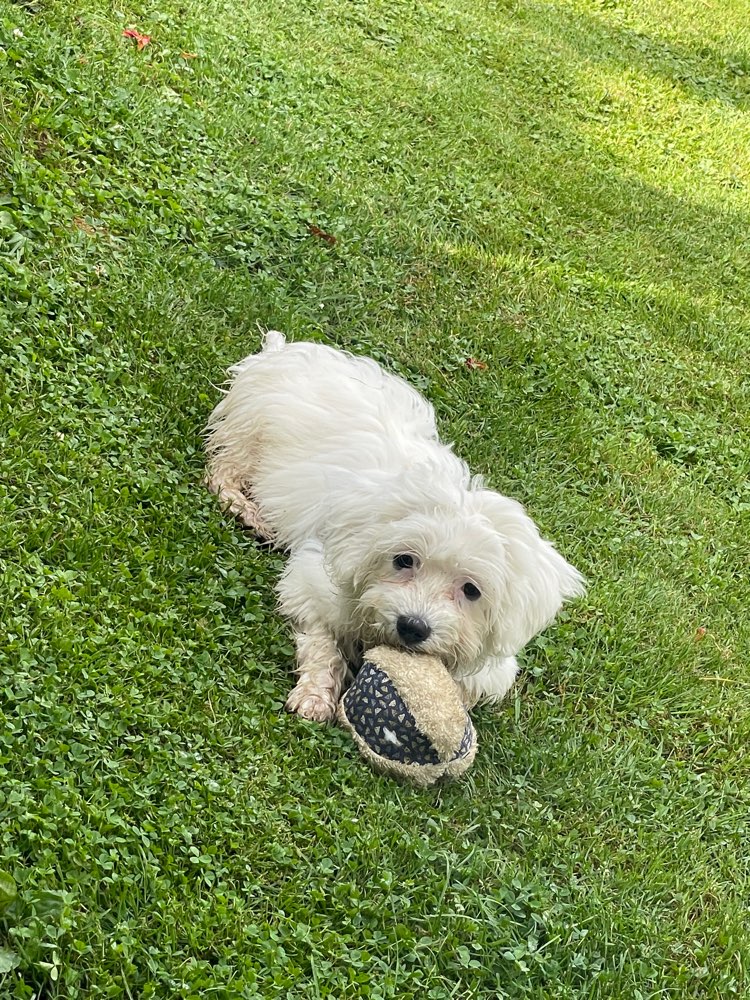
(381, 634)
(410, 645)
(387, 634)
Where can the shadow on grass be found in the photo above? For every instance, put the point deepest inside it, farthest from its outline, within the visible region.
(700, 71)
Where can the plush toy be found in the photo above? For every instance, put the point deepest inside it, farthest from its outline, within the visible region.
(405, 713)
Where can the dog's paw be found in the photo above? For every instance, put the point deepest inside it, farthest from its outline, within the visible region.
(315, 705)
(246, 514)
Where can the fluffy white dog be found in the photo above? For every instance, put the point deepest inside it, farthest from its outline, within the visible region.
(391, 540)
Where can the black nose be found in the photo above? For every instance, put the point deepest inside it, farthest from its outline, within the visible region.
(412, 631)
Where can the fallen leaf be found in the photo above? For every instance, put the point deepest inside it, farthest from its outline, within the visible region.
(700, 633)
(475, 365)
(141, 39)
(188, 55)
(84, 226)
(317, 231)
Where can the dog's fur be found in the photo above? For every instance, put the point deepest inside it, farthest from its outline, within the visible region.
(330, 457)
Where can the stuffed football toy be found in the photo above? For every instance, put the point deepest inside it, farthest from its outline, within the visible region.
(405, 713)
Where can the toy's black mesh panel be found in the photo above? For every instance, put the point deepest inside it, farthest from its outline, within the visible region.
(467, 740)
(378, 714)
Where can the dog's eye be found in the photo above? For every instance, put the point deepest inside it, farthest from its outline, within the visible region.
(404, 561)
(471, 592)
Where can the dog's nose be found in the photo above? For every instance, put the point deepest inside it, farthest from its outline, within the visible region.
(412, 630)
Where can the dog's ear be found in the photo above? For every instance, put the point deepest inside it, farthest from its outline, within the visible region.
(535, 579)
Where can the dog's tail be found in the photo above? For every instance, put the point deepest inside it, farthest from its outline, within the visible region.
(273, 341)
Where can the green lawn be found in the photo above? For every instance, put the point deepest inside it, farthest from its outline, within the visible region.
(559, 190)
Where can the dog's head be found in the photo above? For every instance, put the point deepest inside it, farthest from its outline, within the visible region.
(460, 584)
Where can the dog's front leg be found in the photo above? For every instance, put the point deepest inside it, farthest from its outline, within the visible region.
(322, 671)
(488, 681)
(313, 602)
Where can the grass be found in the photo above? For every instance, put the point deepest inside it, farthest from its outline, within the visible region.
(559, 189)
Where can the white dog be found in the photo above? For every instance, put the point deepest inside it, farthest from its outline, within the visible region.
(391, 540)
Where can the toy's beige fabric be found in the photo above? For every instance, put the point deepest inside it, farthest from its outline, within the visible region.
(430, 693)
(433, 698)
